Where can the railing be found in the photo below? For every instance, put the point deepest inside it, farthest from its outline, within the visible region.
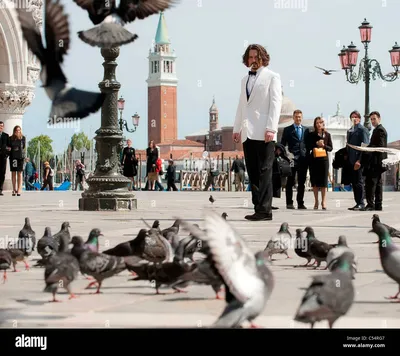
(193, 180)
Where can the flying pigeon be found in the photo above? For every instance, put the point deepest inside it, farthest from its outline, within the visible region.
(248, 279)
(327, 71)
(67, 102)
(110, 20)
(335, 253)
(329, 296)
(389, 255)
(393, 153)
(280, 242)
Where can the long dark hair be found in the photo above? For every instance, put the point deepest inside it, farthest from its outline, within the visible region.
(318, 118)
(263, 55)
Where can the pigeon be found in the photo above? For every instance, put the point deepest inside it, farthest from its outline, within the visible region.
(301, 247)
(334, 254)
(188, 246)
(329, 296)
(98, 265)
(327, 71)
(128, 248)
(280, 242)
(167, 273)
(211, 199)
(67, 102)
(28, 233)
(110, 19)
(170, 231)
(92, 243)
(63, 232)
(61, 269)
(224, 215)
(156, 225)
(392, 231)
(17, 255)
(389, 255)
(247, 277)
(318, 249)
(5, 262)
(46, 246)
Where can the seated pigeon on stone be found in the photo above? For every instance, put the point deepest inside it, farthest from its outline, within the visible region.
(28, 234)
(61, 269)
(63, 232)
(98, 265)
(110, 19)
(329, 296)
(280, 242)
(318, 249)
(248, 279)
(5, 262)
(302, 247)
(389, 255)
(392, 231)
(334, 254)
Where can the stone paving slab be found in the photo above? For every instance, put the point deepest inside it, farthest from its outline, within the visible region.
(127, 303)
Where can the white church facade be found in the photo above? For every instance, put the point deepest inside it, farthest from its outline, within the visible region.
(19, 68)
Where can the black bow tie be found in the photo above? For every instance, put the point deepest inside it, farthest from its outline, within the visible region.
(252, 73)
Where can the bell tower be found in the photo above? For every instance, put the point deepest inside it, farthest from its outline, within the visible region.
(162, 85)
(213, 116)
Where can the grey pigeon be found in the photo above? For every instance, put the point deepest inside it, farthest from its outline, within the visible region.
(67, 102)
(301, 248)
(248, 279)
(61, 269)
(224, 215)
(280, 242)
(211, 199)
(156, 225)
(17, 255)
(46, 247)
(390, 256)
(92, 243)
(64, 232)
(329, 296)
(5, 262)
(318, 249)
(28, 234)
(111, 20)
(392, 231)
(128, 248)
(335, 253)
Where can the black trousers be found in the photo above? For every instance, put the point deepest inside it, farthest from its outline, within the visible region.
(259, 156)
(3, 167)
(357, 183)
(171, 185)
(373, 191)
(300, 169)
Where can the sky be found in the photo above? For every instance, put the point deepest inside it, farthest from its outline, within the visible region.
(209, 38)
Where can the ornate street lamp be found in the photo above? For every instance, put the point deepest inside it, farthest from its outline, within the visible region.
(123, 123)
(108, 189)
(369, 68)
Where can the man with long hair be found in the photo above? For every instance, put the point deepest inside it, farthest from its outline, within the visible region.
(256, 125)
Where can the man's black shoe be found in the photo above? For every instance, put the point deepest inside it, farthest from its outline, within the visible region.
(274, 208)
(359, 208)
(302, 207)
(290, 206)
(355, 206)
(368, 208)
(258, 217)
(378, 208)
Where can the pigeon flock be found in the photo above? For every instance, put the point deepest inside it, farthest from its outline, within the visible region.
(215, 255)
(68, 102)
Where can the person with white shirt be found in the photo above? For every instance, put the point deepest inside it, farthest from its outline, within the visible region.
(256, 125)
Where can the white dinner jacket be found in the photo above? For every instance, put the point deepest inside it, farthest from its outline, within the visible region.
(263, 109)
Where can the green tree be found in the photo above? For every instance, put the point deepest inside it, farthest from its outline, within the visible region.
(80, 141)
(46, 148)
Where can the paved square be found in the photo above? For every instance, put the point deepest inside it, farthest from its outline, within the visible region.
(134, 304)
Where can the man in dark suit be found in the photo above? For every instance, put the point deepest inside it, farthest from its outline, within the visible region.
(371, 162)
(356, 135)
(295, 136)
(4, 149)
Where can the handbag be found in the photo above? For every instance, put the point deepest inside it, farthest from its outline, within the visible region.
(285, 169)
(319, 152)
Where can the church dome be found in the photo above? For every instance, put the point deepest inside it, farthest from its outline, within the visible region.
(287, 109)
(213, 108)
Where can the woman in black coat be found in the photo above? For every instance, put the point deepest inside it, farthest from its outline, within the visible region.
(319, 143)
(17, 144)
(130, 163)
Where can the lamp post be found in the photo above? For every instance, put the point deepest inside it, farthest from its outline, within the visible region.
(369, 68)
(123, 123)
(108, 189)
